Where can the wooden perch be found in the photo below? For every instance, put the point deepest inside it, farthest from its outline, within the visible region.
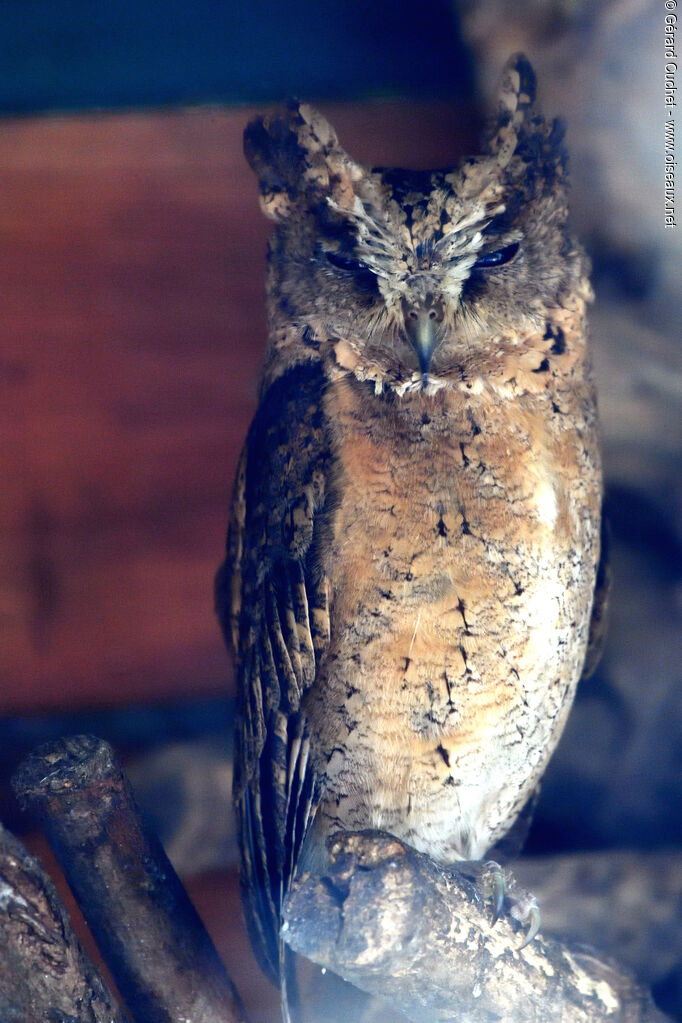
(146, 928)
(44, 972)
(397, 925)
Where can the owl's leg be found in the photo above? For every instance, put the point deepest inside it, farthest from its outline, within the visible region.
(499, 884)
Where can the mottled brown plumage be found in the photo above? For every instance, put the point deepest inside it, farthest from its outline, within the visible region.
(415, 530)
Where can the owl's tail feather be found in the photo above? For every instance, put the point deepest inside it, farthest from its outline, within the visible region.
(302, 802)
(288, 985)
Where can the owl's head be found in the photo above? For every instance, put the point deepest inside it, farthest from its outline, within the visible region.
(414, 280)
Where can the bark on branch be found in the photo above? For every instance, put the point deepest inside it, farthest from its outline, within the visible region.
(397, 925)
(146, 928)
(44, 972)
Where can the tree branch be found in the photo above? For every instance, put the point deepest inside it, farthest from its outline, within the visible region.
(44, 972)
(146, 928)
(397, 925)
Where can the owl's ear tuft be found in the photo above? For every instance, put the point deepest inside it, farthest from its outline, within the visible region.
(520, 131)
(297, 158)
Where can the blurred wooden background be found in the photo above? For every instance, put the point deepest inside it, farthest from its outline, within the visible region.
(133, 325)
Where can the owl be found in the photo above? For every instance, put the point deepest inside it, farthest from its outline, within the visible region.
(412, 557)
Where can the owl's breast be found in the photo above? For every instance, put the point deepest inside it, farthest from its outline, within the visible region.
(461, 570)
(441, 496)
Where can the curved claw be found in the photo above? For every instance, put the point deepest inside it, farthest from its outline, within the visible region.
(497, 888)
(534, 920)
(498, 896)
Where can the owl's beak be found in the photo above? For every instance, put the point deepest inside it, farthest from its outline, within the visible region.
(422, 323)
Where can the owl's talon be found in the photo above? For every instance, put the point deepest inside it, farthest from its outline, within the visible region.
(492, 882)
(498, 883)
(534, 921)
(526, 910)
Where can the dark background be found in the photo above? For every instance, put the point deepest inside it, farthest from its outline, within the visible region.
(76, 55)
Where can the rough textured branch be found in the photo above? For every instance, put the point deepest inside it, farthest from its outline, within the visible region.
(395, 924)
(147, 929)
(629, 904)
(44, 972)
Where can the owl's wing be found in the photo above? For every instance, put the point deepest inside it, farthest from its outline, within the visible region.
(273, 604)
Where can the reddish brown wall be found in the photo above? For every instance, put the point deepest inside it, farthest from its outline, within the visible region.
(131, 332)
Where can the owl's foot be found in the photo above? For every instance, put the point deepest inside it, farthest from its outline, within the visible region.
(498, 884)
